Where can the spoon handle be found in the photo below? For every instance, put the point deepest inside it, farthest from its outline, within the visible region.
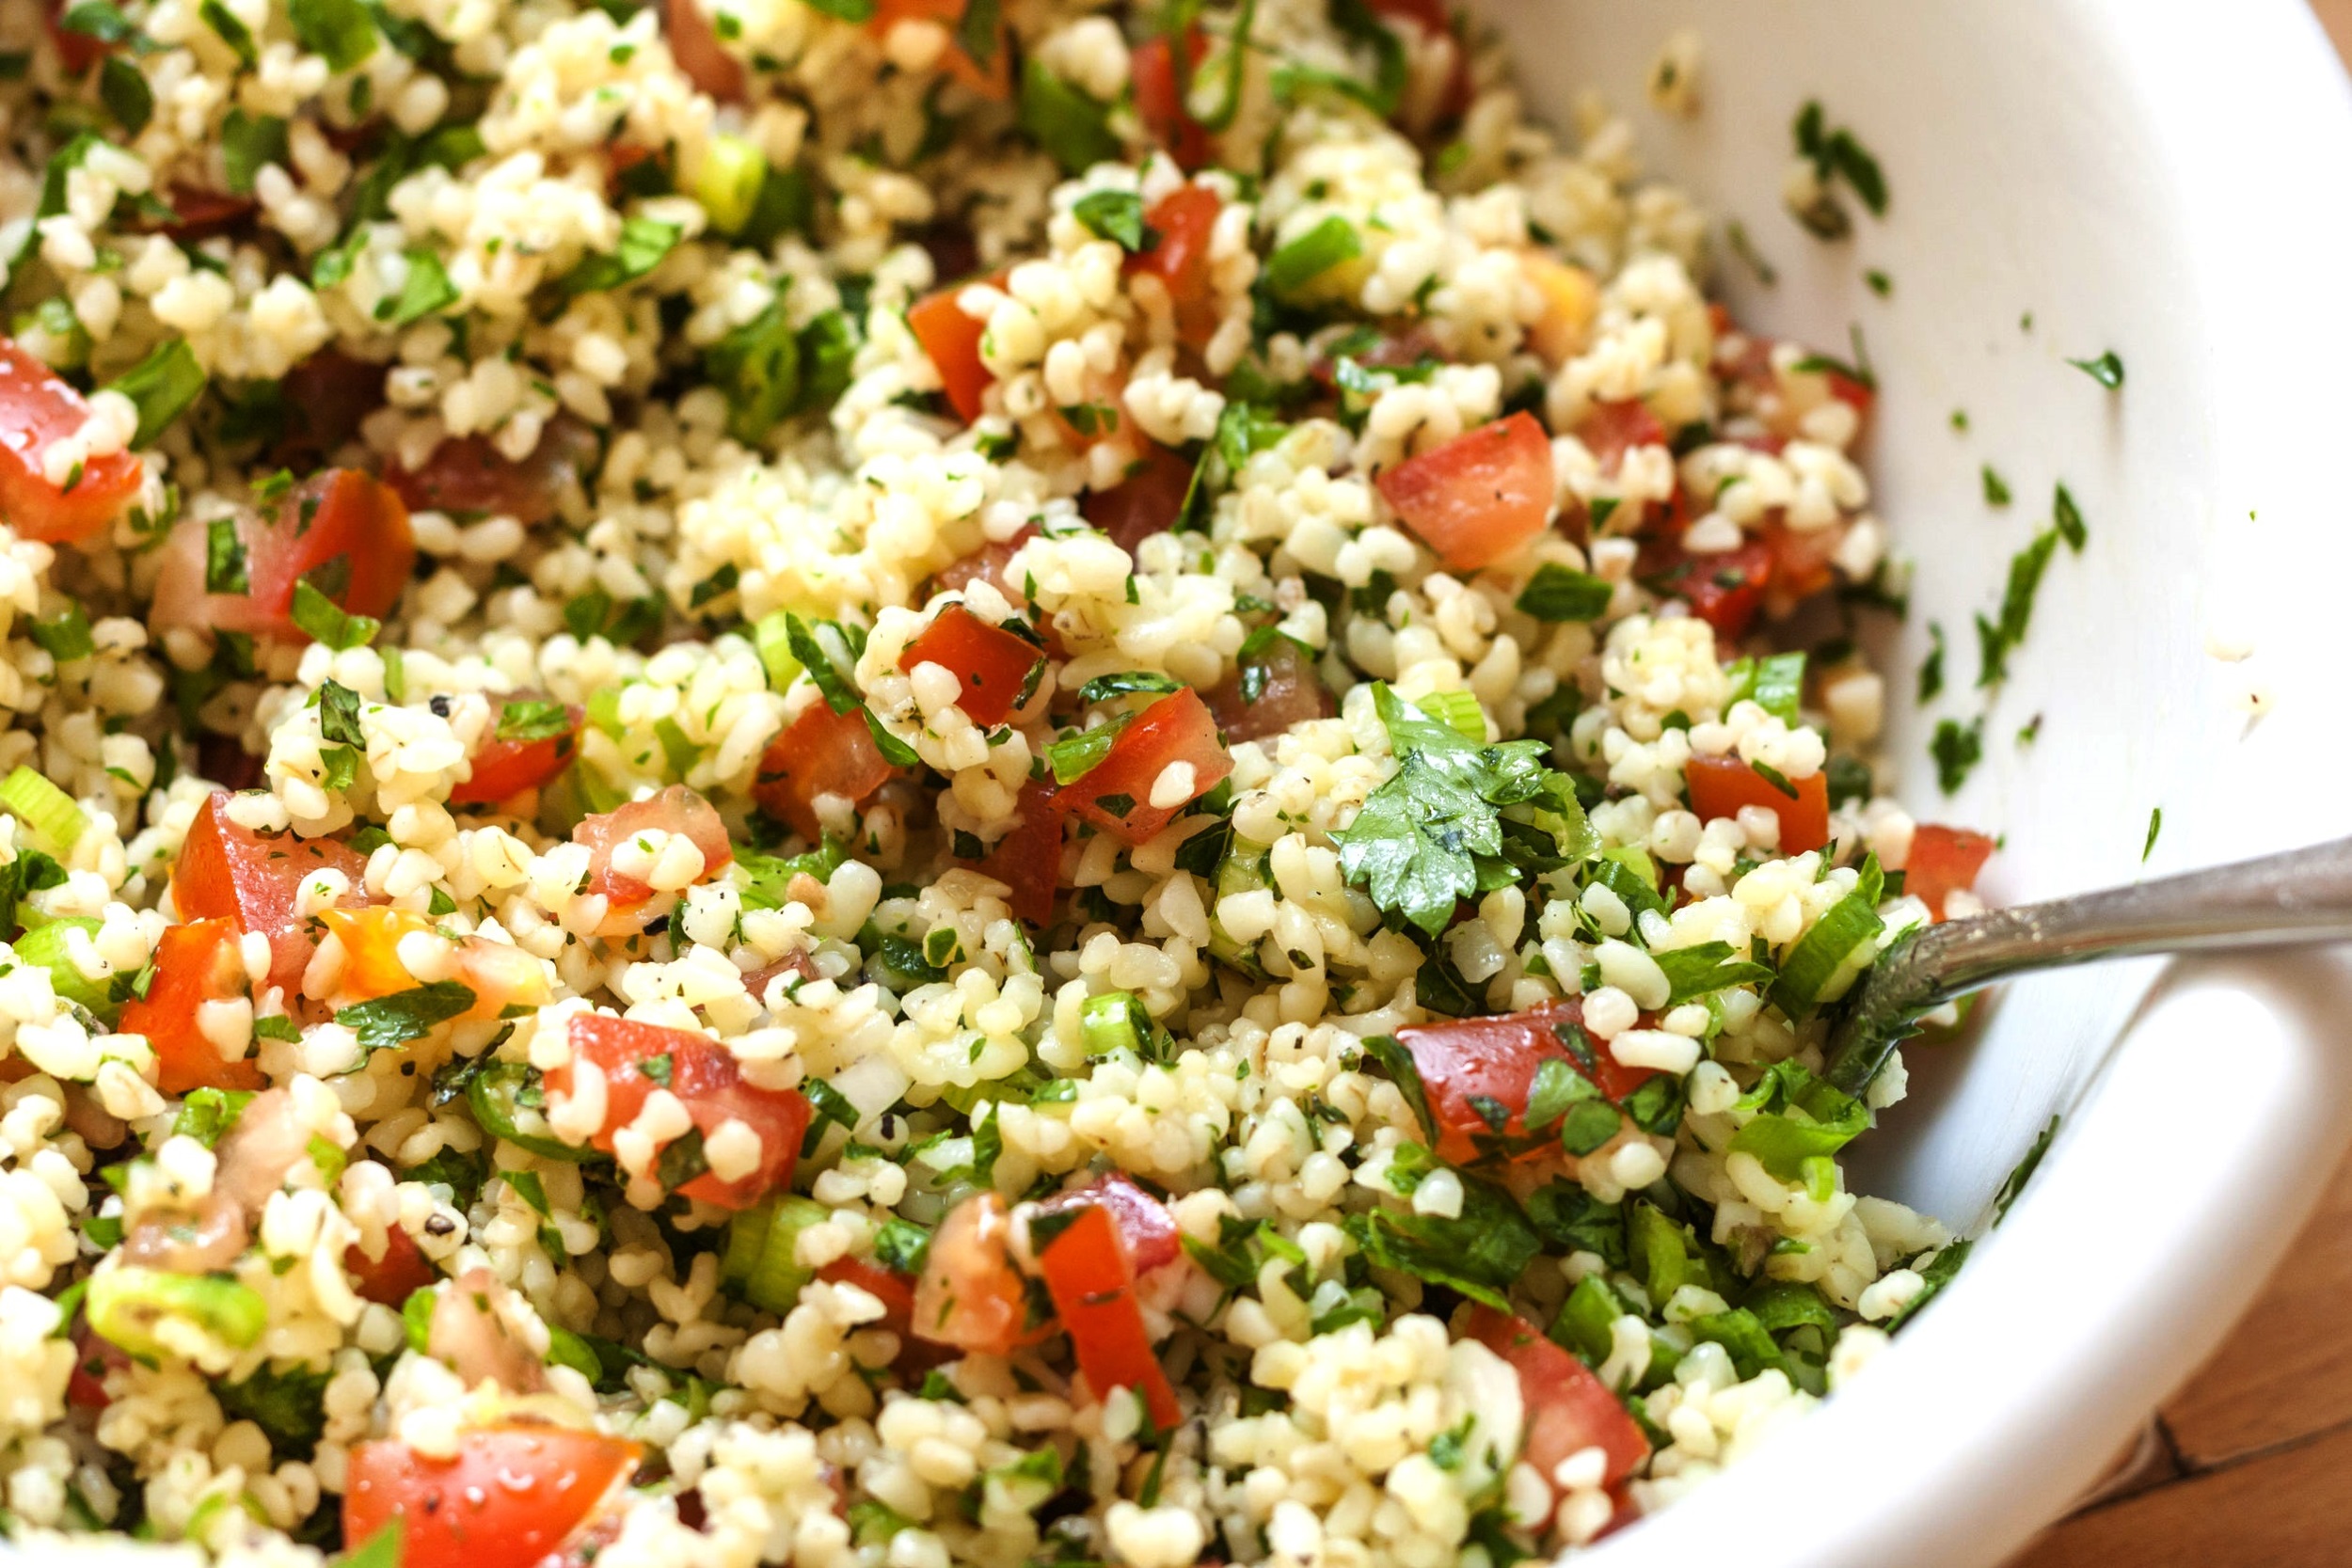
(2283, 900)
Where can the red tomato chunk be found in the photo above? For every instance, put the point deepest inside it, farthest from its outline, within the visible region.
(1496, 1059)
(694, 44)
(1146, 1230)
(1944, 861)
(195, 963)
(231, 872)
(1721, 786)
(507, 768)
(1088, 1273)
(821, 753)
(1289, 692)
(970, 1296)
(1184, 220)
(1613, 429)
(1116, 796)
(1160, 103)
(704, 1075)
(991, 665)
(1148, 501)
(512, 1497)
(1028, 858)
(1478, 498)
(952, 339)
(469, 475)
(391, 1279)
(674, 810)
(1569, 1409)
(37, 407)
(344, 530)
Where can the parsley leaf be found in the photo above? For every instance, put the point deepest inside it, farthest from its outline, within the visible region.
(406, 1015)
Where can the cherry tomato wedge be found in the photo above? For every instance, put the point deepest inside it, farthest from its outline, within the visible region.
(344, 530)
(1274, 688)
(703, 1076)
(1184, 219)
(1118, 795)
(1028, 858)
(695, 45)
(1147, 1232)
(970, 1296)
(1568, 1409)
(991, 665)
(1496, 1059)
(952, 340)
(391, 1279)
(1479, 497)
(673, 810)
(1721, 786)
(1148, 501)
(1094, 1286)
(469, 475)
(195, 963)
(504, 768)
(37, 407)
(511, 1496)
(821, 753)
(1944, 861)
(228, 871)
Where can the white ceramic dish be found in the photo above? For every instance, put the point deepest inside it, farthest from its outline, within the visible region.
(2173, 181)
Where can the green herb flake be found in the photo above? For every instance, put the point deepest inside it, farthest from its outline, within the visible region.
(406, 1014)
(161, 386)
(2068, 519)
(1996, 487)
(1957, 749)
(1557, 593)
(1115, 215)
(2156, 826)
(425, 290)
(2107, 370)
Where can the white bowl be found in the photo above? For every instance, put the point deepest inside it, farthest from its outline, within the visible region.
(2172, 182)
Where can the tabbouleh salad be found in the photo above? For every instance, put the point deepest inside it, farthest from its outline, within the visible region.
(910, 782)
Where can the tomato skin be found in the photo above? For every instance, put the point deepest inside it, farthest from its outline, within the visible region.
(1147, 1232)
(509, 1497)
(704, 1077)
(952, 339)
(695, 45)
(93, 1358)
(1292, 694)
(1721, 786)
(1944, 861)
(821, 753)
(991, 665)
(970, 1296)
(195, 963)
(1028, 858)
(1160, 101)
(1094, 1286)
(1478, 498)
(673, 810)
(468, 474)
(1801, 561)
(1613, 429)
(1148, 501)
(1498, 1058)
(1177, 728)
(391, 1279)
(337, 524)
(1184, 220)
(502, 768)
(38, 407)
(328, 396)
(1569, 1409)
(227, 871)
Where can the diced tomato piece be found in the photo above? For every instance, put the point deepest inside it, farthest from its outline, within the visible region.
(327, 397)
(1429, 15)
(229, 871)
(1570, 298)
(1185, 219)
(1613, 429)
(1568, 1409)
(1479, 497)
(93, 1358)
(674, 810)
(695, 45)
(952, 339)
(502, 768)
(1944, 861)
(1028, 860)
(469, 475)
(195, 963)
(992, 80)
(1721, 786)
(1496, 1059)
(970, 1296)
(1724, 588)
(76, 51)
(199, 214)
(991, 665)
(344, 530)
(988, 564)
(1094, 1286)
(1116, 796)
(1289, 692)
(1801, 561)
(1148, 501)
(821, 753)
(1846, 390)
(391, 1279)
(37, 407)
(1146, 1230)
(1160, 96)
(895, 1291)
(512, 1497)
(370, 938)
(704, 1076)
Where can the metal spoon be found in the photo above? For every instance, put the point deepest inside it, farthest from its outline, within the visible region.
(2283, 900)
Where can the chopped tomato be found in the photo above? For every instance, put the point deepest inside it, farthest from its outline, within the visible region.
(1570, 298)
(1613, 429)
(327, 397)
(1147, 1234)
(507, 768)
(77, 51)
(1160, 97)
(199, 214)
(1479, 497)
(991, 665)
(344, 530)
(93, 1358)
(952, 339)
(1028, 860)
(195, 963)
(1721, 786)
(1148, 501)
(391, 1279)
(1183, 220)
(821, 753)
(970, 1296)
(1117, 795)
(704, 1075)
(226, 870)
(988, 564)
(499, 974)
(993, 79)
(1801, 561)
(695, 45)
(674, 810)
(1568, 1409)
(469, 475)
(509, 1497)
(1094, 1286)
(1944, 861)
(1495, 1060)
(895, 1291)
(37, 407)
(1287, 691)
(1724, 588)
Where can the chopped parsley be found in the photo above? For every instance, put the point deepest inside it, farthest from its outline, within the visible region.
(2156, 826)
(2107, 370)
(406, 1015)
(1996, 487)
(1957, 749)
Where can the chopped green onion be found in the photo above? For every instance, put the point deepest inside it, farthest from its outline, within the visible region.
(126, 1305)
(46, 947)
(1115, 1020)
(507, 1099)
(1458, 709)
(1823, 952)
(41, 806)
(762, 1259)
(728, 180)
